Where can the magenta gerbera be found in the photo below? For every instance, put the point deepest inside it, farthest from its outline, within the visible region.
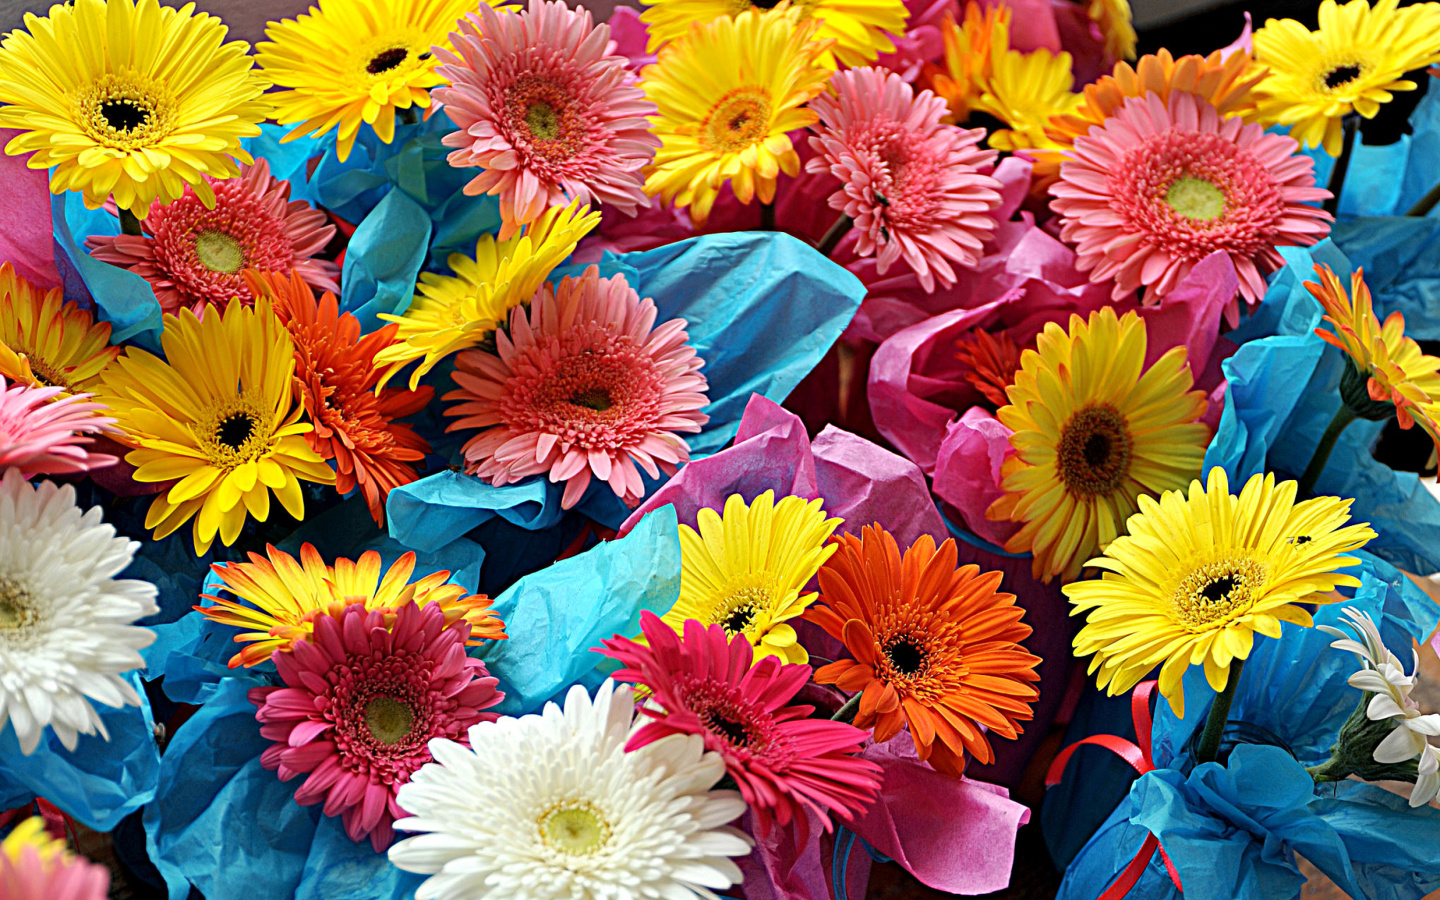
(783, 762)
(363, 698)
(192, 255)
(545, 111)
(581, 385)
(1157, 188)
(911, 184)
(44, 433)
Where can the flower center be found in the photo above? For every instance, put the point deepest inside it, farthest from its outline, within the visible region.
(596, 398)
(543, 121)
(219, 252)
(737, 612)
(386, 60)
(739, 120)
(727, 727)
(1341, 75)
(17, 607)
(576, 828)
(234, 430)
(236, 434)
(907, 656)
(388, 719)
(124, 111)
(124, 114)
(1217, 592)
(1196, 198)
(1095, 450)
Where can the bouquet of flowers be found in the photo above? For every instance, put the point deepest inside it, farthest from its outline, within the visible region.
(454, 449)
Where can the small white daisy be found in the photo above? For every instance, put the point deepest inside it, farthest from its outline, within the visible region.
(66, 622)
(551, 807)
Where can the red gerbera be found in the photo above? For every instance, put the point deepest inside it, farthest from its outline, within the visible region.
(335, 374)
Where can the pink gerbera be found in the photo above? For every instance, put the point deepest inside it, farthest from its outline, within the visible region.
(1157, 188)
(783, 762)
(364, 696)
(911, 184)
(192, 255)
(44, 433)
(581, 384)
(545, 112)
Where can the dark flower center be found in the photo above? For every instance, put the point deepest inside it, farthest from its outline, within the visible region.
(1341, 75)
(388, 60)
(739, 618)
(388, 719)
(906, 655)
(731, 730)
(124, 115)
(764, 4)
(596, 398)
(1095, 449)
(234, 430)
(1218, 590)
(543, 121)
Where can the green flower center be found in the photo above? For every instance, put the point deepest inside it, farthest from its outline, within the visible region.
(543, 121)
(388, 719)
(1196, 198)
(576, 828)
(219, 252)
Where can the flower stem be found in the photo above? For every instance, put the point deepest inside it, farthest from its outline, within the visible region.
(837, 232)
(129, 224)
(847, 712)
(1219, 714)
(1426, 203)
(1343, 417)
(1342, 165)
(767, 216)
(408, 115)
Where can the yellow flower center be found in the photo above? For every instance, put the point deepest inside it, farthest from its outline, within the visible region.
(388, 719)
(543, 121)
(1196, 198)
(125, 111)
(17, 608)
(1095, 450)
(1217, 592)
(737, 612)
(219, 252)
(237, 432)
(739, 120)
(576, 827)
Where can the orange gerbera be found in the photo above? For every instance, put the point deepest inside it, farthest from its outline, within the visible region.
(936, 648)
(335, 376)
(993, 360)
(969, 48)
(1225, 83)
(283, 597)
(45, 342)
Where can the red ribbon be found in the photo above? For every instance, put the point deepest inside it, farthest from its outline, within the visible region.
(1140, 759)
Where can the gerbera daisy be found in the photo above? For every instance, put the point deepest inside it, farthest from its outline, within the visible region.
(729, 92)
(1093, 428)
(130, 99)
(66, 629)
(1025, 91)
(1159, 187)
(1117, 23)
(1195, 578)
(1393, 367)
(861, 29)
(745, 570)
(784, 762)
(546, 112)
(363, 697)
(552, 807)
(351, 61)
(34, 866)
(911, 184)
(991, 360)
(282, 597)
(193, 254)
(451, 313)
(46, 342)
(581, 385)
(335, 376)
(218, 414)
(45, 433)
(1355, 62)
(970, 46)
(936, 648)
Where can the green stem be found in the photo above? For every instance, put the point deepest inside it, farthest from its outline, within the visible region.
(1219, 714)
(1426, 203)
(1332, 769)
(408, 115)
(767, 217)
(129, 224)
(847, 712)
(837, 232)
(1342, 165)
(1343, 417)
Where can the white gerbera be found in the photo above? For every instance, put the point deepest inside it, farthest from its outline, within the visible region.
(551, 807)
(66, 629)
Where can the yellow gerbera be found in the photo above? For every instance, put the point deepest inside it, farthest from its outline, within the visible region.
(861, 29)
(284, 597)
(1355, 61)
(352, 61)
(1394, 368)
(130, 99)
(1093, 429)
(969, 48)
(729, 93)
(218, 414)
(1025, 90)
(452, 313)
(1117, 24)
(1196, 578)
(45, 341)
(745, 570)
